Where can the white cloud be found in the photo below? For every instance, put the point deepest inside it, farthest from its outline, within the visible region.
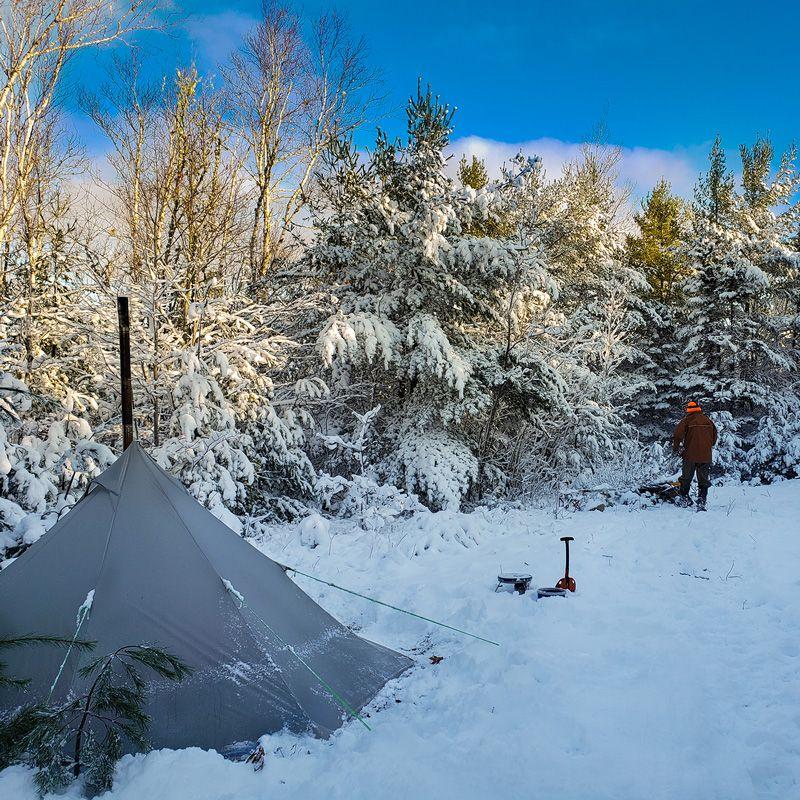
(218, 35)
(640, 167)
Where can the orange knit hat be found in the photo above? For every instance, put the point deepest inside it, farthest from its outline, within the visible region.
(693, 407)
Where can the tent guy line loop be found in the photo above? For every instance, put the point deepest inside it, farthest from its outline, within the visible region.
(239, 598)
(286, 568)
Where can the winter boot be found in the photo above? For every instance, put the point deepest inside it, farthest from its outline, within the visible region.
(701, 501)
(683, 500)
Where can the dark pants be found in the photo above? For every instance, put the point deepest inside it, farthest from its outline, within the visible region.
(688, 472)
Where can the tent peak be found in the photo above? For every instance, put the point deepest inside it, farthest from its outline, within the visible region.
(112, 478)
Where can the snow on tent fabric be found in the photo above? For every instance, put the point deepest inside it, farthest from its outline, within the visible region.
(156, 560)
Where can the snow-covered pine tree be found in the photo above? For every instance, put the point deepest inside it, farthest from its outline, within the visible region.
(577, 219)
(473, 173)
(591, 334)
(657, 250)
(735, 344)
(586, 429)
(425, 313)
(237, 431)
(770, 218)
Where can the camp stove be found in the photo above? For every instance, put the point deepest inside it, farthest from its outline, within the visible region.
(519, 582)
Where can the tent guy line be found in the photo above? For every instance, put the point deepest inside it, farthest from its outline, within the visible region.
(336, 696)
(286, 568)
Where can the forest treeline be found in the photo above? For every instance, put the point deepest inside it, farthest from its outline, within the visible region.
(317, 325)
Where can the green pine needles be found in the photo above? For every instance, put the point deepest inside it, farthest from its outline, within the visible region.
(86, 736)
(21, 641)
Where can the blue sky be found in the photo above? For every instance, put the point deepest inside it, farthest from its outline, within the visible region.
(662, 78)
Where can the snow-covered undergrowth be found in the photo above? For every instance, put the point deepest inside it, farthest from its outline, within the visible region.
(673, 672)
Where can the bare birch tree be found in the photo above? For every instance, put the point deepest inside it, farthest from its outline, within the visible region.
(290, 98)
(37, 38)
(179, 198)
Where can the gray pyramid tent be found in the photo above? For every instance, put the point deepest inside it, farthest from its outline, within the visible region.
(157, 562)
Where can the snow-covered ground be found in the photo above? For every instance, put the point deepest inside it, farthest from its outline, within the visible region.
(673, 672)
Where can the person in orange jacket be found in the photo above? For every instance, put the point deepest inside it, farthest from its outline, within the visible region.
(694, 438)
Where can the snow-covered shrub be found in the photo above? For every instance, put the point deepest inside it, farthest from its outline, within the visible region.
(373, 505)
(632, 465)
(729, 454)
(47, 458)
(568, 447)
(352, 491)
(237, 437)
(314, 531)
(350, 455)
(775, 451)
(434, 464)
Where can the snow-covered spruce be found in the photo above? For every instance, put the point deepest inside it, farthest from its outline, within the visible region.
(427, 308)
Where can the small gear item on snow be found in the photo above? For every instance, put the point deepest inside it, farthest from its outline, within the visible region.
(550, 591)
(566, 582)
(520, 582)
